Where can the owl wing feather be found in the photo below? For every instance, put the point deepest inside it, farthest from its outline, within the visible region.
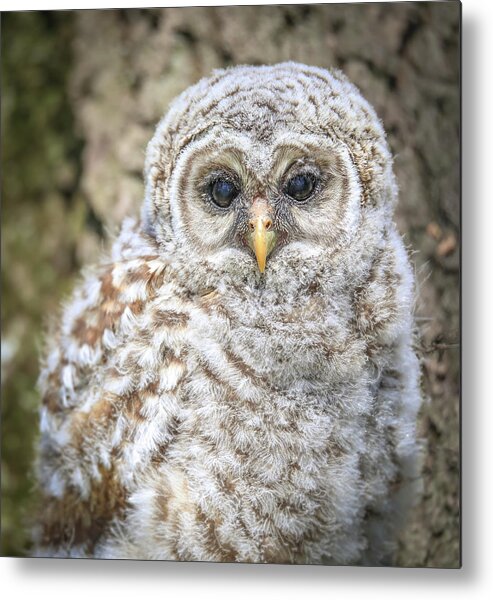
(115, 351)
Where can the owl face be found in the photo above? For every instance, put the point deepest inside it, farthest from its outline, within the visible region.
(262, 168)
(237, 198)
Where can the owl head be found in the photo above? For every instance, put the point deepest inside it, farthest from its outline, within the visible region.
(262, 169)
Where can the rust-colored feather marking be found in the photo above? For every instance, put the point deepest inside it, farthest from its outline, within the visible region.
(171, 318)
(223, 552)
(86, 333)
(72, 521)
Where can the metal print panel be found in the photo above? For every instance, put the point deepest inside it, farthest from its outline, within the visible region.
(262, 362)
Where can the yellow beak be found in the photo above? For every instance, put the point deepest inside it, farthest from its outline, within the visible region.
(261, 239)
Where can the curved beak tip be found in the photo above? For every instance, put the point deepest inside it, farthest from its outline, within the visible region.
(262, 240)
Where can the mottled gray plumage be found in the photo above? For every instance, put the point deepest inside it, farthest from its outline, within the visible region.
(195, 408)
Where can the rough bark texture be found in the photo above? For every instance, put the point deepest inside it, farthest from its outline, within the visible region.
(123, 69)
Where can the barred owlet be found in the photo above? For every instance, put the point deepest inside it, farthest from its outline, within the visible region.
(236, 382)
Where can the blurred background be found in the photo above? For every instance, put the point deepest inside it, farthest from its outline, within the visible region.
(81, 94)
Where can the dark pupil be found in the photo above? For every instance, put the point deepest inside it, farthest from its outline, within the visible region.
(223, 193)
(300, 187)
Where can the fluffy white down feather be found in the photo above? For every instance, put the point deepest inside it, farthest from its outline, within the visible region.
(194, 409)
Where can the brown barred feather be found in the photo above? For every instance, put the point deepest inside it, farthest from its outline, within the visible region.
(196, 409)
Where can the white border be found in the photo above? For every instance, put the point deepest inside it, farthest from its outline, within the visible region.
(123, 580)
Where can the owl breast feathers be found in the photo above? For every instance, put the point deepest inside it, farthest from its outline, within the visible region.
(237, 381)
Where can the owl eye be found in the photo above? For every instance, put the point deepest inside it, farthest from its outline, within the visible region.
(300, 187)
(223, 192)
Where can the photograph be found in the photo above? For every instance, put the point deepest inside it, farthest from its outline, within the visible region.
(231, 260)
